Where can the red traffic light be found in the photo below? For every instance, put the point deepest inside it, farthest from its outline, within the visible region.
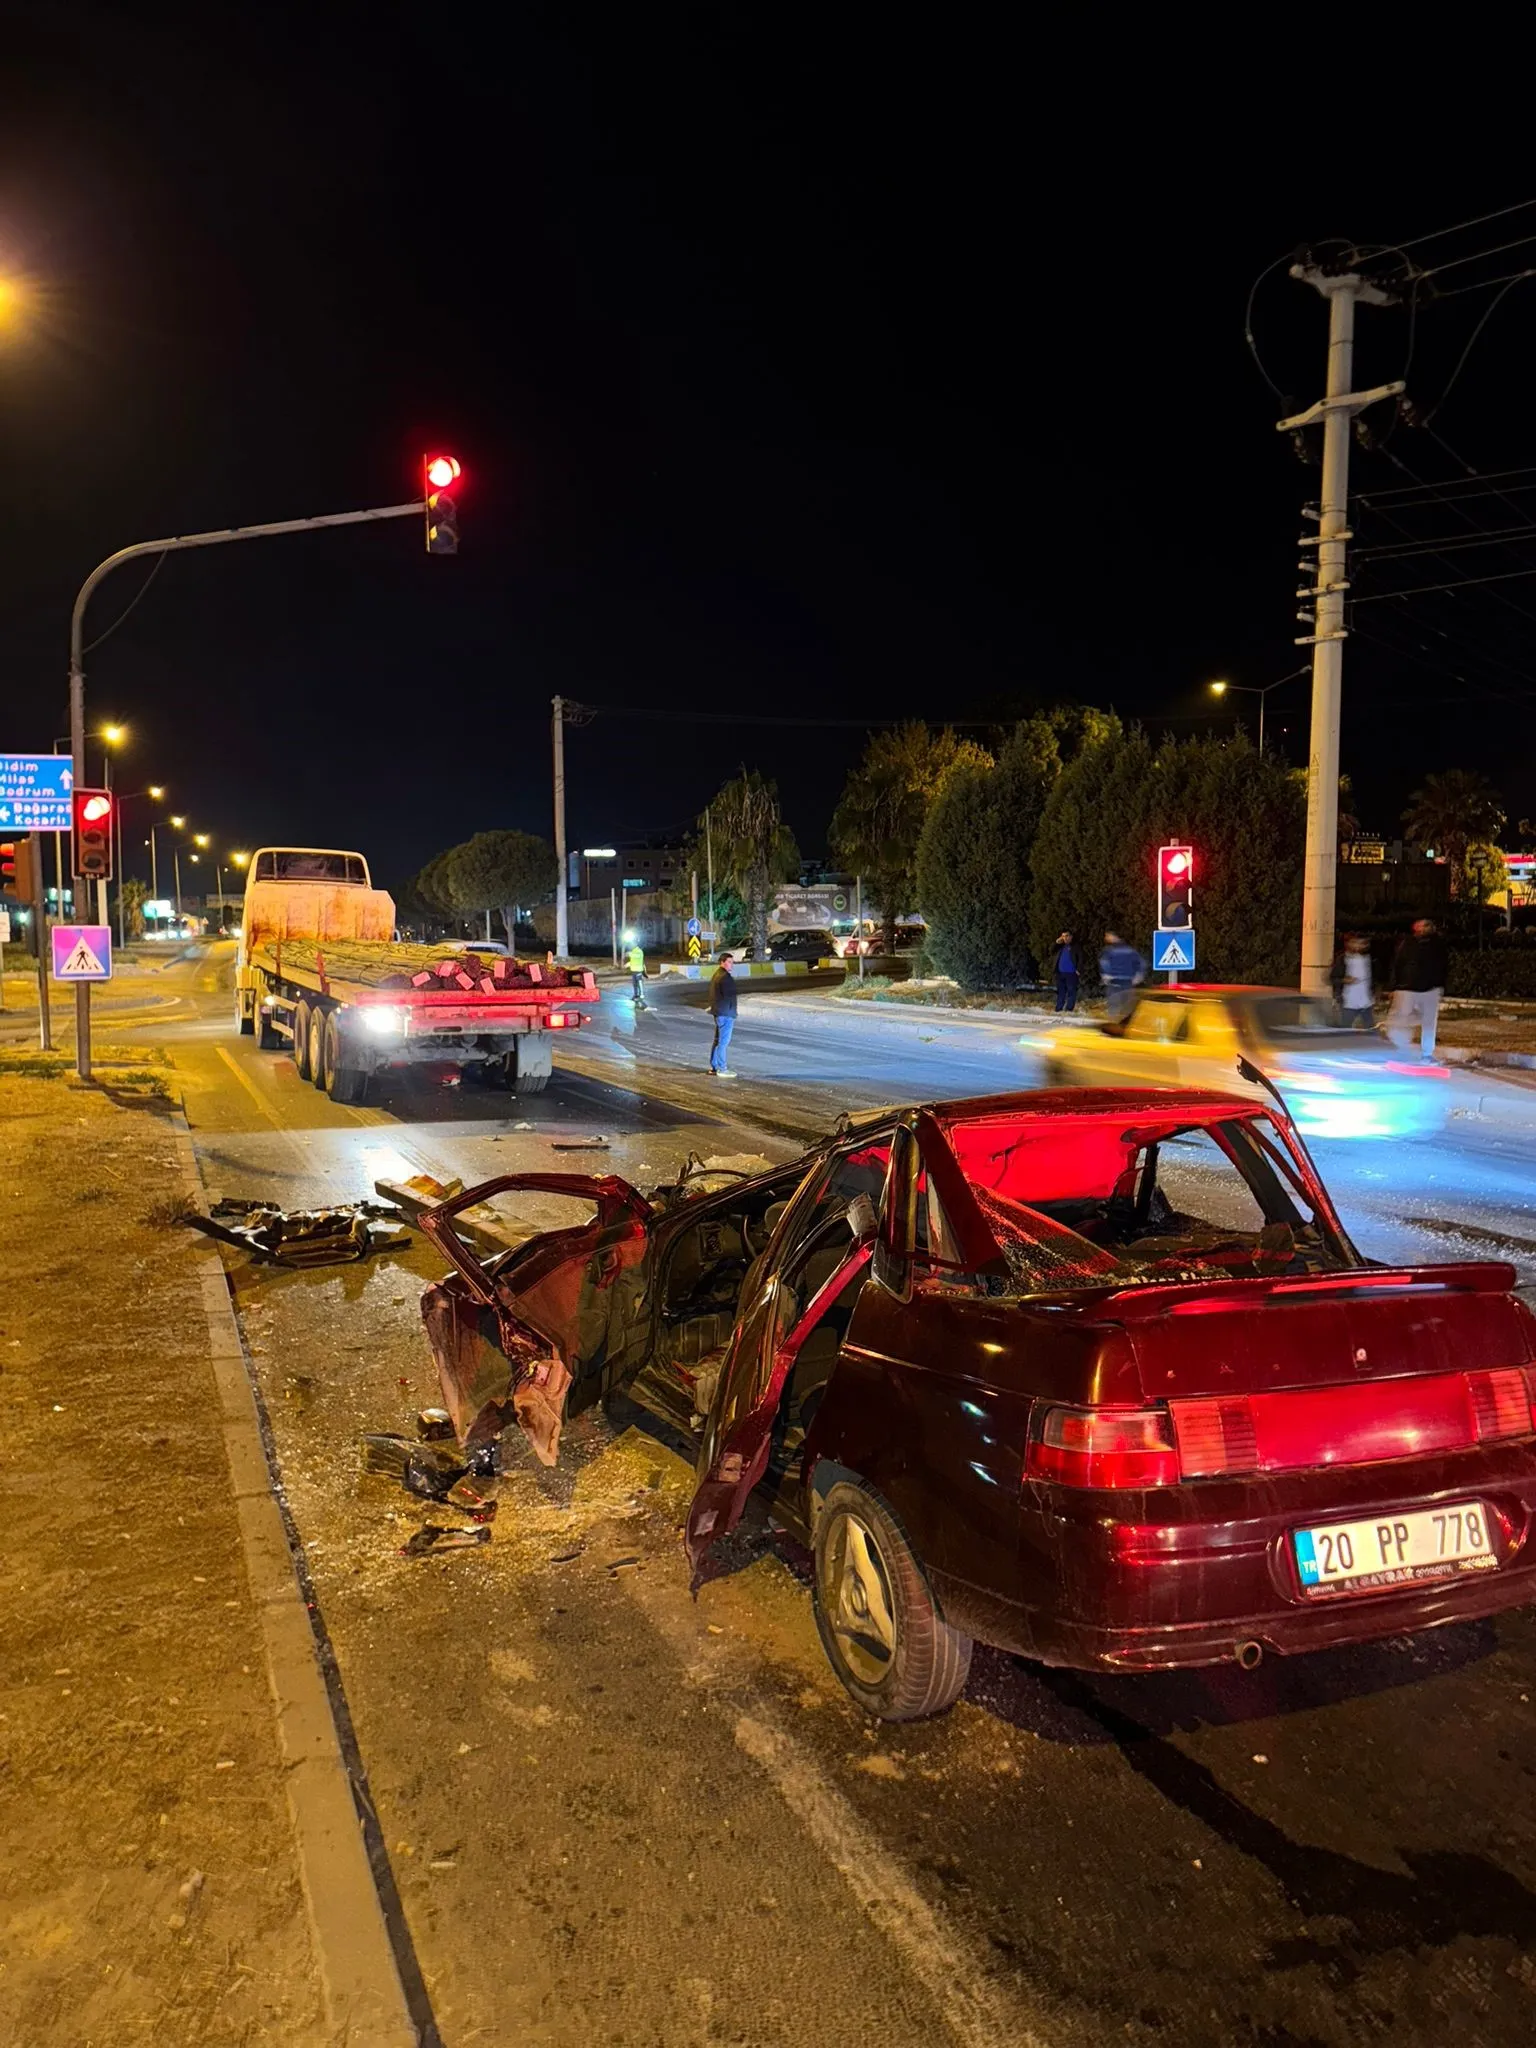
(442, 470)
(91, 810)
(1175, 887)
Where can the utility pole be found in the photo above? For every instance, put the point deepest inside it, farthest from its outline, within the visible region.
(709, 860)
(562, 928)
(1335, 410)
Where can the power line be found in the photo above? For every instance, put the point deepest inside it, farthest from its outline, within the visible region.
(129, 606)
(1486, 283)
(1429, 589)
(1490, 476)
(1488, 313)
(1439, 234)
(1388, 550)
(1502, 249)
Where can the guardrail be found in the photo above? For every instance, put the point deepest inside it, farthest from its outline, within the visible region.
(697, 971)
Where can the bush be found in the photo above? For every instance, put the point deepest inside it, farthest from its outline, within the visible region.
(1122, 797)
(1506, 973)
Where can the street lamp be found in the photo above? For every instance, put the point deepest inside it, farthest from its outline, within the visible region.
(1261, 691)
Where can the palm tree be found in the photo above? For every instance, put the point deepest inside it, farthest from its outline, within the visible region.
(1455, 809)
(753, 848)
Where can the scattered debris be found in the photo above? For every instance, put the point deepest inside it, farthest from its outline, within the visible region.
(1261, 1759)
(433, 1537)
(624, 1564)
(434, 1424)
(566, 1556)
(303, 1237)
(578, 1145)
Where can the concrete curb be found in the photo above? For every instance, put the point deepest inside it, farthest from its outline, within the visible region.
(355, 1953)
(698, 970)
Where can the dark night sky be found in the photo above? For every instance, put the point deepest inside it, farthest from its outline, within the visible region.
(794, 372)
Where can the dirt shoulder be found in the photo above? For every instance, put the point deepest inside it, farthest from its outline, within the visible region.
(149, 1889)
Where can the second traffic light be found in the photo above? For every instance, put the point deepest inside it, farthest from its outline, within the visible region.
(93, 835)
(1175, 888)
(18, 869)
(440, 474)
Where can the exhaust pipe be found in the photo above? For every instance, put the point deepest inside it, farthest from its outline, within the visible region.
(1249, 1656)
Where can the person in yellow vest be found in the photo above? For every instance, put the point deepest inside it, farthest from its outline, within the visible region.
(634, 960)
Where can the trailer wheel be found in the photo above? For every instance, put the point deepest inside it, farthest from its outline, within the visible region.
(245, 1020)
(530, 1084)
(318, 1019)
(301, 1018)
(343, 1083)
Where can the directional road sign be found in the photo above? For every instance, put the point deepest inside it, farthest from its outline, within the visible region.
(1173, 952)
(82, 952)
(34, 792)
(693, 928)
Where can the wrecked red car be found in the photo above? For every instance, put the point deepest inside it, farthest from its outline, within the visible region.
(1093, 1375)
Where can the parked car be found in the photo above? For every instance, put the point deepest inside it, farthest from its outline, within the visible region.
(800, 946)
(1337, 1083)
(909, 937)
(1094, 1375)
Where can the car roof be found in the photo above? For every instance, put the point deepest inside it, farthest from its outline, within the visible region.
(1053, 1102)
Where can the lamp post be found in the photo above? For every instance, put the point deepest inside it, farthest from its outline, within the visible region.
(1260, 690)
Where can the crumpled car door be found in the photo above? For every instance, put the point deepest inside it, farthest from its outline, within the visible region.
(547, 1327)
(762, 1356)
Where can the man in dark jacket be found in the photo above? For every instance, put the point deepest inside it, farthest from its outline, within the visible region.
(722, 1007)
(1121, 967)
(1066, 972)
(1418, 983)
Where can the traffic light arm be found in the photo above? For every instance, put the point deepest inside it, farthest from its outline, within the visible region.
(414, 510)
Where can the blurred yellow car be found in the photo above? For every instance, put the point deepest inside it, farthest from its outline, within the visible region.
(1337, 1083)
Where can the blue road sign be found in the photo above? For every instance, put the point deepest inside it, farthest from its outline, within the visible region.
(1173, 952)
(82, 952)
(694, 928)
(34, 792)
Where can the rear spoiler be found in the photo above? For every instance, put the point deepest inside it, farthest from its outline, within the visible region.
(1182, 1298)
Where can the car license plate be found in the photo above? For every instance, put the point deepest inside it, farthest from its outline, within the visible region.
(1393, 1550)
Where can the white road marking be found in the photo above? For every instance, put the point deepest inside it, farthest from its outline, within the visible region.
(976, 2012)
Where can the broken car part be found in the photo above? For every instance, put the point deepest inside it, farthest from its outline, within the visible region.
(303, 1237)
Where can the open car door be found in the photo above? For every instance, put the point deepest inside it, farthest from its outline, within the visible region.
(546, 1325)
(789, 1306)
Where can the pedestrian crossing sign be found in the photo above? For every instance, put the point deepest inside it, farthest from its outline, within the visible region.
(82, 952)
(1173, 952)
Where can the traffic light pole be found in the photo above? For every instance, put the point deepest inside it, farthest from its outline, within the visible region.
(414, 510)
(1335, 410)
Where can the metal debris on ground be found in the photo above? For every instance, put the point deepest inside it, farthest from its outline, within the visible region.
(304, 1237)
(578, 1144)
(431, 1537)
(434, 1424)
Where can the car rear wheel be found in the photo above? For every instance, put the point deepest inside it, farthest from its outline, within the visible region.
(301, 1021)
(880, 1627)
(344, 1082)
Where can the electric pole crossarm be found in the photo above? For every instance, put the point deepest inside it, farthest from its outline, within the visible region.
(1348, 402)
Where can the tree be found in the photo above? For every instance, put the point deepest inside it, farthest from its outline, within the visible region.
(884, 805)
(753, 848)
(500, 871)
(1454, 809)
(973, 859)
(1123, 797)
(132, 895)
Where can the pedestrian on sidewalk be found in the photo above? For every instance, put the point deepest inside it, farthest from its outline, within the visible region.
(722, 1007)
(634, 960)
(1066, 972)
(1121, 969)
(1352, 985)
(1418, 983)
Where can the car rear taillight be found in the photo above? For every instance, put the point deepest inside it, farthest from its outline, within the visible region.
(1215, 1435)
(1104, 1447)
(1501, 1402)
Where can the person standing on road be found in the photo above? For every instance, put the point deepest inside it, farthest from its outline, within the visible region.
(1418, 983)
(634, 960)
(1121, 968)
(1352, 989)
(722, 1007)
(1066, 972)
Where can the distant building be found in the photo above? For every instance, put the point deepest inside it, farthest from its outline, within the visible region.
(639, 864)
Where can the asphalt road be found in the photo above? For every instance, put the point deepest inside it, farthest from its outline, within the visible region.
(614, 1814)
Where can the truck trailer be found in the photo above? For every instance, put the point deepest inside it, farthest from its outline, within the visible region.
(320, 972)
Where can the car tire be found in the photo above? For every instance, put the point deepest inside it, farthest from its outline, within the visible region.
(245, 1020)
(531, 1084)
(301, 1022)
(880, 1626)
